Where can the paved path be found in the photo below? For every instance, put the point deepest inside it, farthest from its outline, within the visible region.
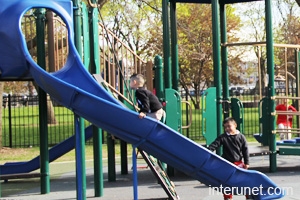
(63, 183)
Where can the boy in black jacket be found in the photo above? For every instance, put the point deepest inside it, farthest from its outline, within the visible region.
(148, 103)
(235, 148)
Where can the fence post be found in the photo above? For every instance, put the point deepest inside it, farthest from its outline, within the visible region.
(9, 121)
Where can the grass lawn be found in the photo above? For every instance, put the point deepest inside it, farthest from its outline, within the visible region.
(26, 154)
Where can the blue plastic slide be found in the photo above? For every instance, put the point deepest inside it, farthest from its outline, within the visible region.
(77, 90)
(54, 153)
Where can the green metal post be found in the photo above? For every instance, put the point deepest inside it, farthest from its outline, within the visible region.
(271, 90)
(124, 162)
(123, 144)
(216, 60)
(98, 164)
(224, 58)
(175, 68)
(94, 37)
(80, 149)
(166, 44)
(95, 69)
(174, 46)
(80, 158)
(159, 84)
(159, 78)
(41, 61)
(86, 36)
(111, 158)
(77, 26)
(297, 84)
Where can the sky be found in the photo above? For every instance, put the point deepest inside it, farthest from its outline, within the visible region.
(247, 32)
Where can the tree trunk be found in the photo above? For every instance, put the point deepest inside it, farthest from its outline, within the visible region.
(50, 111)
(50, 107)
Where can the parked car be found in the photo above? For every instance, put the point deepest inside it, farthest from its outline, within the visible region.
(4, 100)
(236, 90)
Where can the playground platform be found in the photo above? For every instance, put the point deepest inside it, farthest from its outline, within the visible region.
(63, 182)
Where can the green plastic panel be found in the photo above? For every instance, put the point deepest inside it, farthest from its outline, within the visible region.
(237, 112)
(173, 109)
(209, 110)
(263, 105)
(289, 151)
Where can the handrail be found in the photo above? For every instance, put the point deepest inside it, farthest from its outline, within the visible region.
(285, 131)
(190, 115)
(119, 93)
(285, 97)
(285, 113)
(123, 44)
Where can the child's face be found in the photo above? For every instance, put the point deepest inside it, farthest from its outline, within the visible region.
(133, 84)
(230, 127)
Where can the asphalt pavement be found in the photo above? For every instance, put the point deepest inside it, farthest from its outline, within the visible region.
(63, 183)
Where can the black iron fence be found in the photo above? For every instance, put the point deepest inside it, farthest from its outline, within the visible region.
(20, 120)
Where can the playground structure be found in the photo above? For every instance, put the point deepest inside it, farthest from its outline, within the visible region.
(286, 88)
(74, 95)
(220, 93)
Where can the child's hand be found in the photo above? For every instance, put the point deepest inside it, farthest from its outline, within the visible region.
(142, 115)
(246, 166)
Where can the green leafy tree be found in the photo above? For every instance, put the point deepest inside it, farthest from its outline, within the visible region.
(287, 32)
(195, 46)
(137, 24)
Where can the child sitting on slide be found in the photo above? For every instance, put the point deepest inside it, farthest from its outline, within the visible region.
(148, 103)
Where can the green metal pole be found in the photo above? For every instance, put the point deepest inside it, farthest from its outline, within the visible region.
(174, 57)
(80, 173)
(174, 46)
(41, 61)
(98, 164)
(94, 37)
(224, 58)
(77, 26)
(297, 83)
(123, 145)
(80, 158)
(271, 90)
(159, 87)
(166, 44)
(111, 158)
(95, 69)
(86, 36)
(217, 65)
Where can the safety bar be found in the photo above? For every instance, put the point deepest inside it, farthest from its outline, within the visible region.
(285, 113)
(190, 115)
(284, 97)
(285, 131)
(121, 95)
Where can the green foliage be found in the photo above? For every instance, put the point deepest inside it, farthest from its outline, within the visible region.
(136, 23)
(195, 45)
